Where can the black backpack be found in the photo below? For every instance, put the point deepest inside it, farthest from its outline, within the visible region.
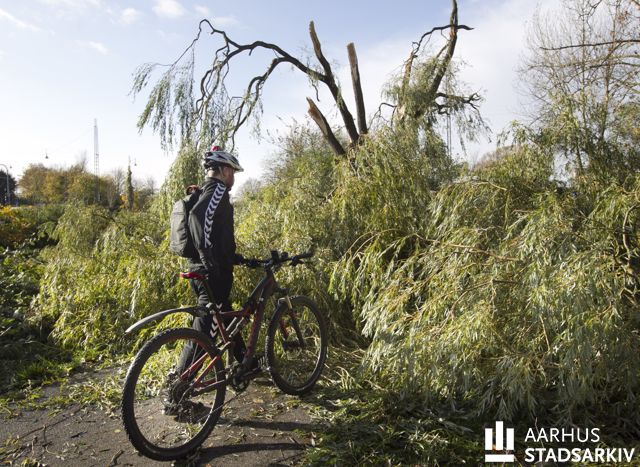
(180, 241)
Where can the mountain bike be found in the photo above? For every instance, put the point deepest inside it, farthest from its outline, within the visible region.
(169, 408)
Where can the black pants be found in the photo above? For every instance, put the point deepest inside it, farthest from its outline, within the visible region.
(221, 288)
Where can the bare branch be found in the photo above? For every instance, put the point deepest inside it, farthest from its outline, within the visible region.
(417, 46)
(329, 79)
(453, 101)
(357, 88)
(444, 63)
(323, 124)
(594, 44)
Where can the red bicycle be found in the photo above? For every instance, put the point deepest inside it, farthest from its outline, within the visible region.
(168, 411)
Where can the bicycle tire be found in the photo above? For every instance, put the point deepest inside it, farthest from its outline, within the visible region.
(138, 410)
(282, 359)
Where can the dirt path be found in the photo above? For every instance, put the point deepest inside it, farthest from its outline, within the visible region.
(260, 427)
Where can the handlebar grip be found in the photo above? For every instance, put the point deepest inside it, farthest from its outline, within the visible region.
(308, 254)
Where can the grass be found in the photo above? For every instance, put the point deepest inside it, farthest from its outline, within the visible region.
(100, 388)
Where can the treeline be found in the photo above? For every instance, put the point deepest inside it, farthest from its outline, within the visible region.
(58, 185)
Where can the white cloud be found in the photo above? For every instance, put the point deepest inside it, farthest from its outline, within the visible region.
(97, 46)
(225, 21)
(492, 52)
(203, 10)
(168, 9)
(218, 21)
(73, 4)
(5, 15)
(129, 16)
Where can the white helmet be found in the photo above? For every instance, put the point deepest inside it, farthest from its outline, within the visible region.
(216, 157)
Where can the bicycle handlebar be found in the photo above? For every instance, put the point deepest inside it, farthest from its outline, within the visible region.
(277, 258)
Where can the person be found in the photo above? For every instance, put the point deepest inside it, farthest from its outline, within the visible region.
(212, 231)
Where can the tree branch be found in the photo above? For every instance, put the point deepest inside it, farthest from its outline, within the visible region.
(457, 101)
(329, 79)
(593, 44)
(443, 58)
(323, 124)
(444, 63)
(357, 88)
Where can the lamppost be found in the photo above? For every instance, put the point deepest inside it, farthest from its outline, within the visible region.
(6, 173)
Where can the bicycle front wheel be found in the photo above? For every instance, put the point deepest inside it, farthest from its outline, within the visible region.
(173, 394)
(296, 346)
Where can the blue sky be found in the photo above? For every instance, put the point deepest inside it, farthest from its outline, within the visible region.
(65, 62)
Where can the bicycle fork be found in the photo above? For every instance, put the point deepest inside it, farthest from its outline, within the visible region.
(286, 301)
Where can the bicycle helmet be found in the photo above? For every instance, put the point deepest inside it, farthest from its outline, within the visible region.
(216, 157)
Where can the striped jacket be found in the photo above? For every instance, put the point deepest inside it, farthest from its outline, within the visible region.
(211, 226)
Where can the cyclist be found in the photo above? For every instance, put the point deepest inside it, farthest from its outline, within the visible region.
(211, 227)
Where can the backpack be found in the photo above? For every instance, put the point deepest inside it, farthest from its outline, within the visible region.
(180, 241)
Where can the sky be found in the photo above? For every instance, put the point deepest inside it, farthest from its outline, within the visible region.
(64, 63)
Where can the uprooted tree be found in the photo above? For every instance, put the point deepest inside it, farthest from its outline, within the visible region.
(177, 105)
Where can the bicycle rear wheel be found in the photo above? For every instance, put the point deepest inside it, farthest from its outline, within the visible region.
(296, 346)
(169, 405)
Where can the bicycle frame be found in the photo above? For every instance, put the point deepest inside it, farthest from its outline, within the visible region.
(255, 306)
(253, 309)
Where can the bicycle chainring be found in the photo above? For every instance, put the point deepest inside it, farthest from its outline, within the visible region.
(239, 381)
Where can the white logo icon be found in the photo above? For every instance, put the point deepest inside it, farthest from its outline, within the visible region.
(499, 444)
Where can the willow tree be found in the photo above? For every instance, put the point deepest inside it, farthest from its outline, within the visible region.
(182, 106)
(582, 74)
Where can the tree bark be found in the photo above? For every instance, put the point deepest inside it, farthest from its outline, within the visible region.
(323, 124)
(330, 81)
(357, 89)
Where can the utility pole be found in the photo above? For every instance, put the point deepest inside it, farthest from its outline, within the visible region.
(8, 194)
(96, 160)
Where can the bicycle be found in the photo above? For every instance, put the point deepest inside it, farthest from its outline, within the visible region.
(168, 412)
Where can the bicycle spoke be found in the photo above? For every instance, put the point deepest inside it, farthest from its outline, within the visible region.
(297, 347)
(168, 405)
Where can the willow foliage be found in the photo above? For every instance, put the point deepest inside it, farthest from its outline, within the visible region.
(291, 211)
(511, 293)
(186, 170)
(106, 272)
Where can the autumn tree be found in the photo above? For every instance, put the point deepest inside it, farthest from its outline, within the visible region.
(40, 184)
